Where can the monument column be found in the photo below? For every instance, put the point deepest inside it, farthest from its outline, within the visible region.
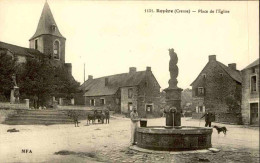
(173, 92)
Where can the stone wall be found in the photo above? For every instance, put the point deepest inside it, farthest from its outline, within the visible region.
(229, 118)
(109, 100)
(217, 86)
(46, 43)
(248, 96)
(7, 105)
(149, 94)
(125, 100)
(4, 113)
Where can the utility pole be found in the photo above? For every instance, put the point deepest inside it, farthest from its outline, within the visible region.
(84, 76)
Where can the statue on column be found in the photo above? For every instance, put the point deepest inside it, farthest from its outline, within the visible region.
(173, 93)
(173, 68)
(15, 91)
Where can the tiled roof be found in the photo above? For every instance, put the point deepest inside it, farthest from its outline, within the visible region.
(235, 74)
(18, 50)
(255, 63)
(45, 23)
(96, 87)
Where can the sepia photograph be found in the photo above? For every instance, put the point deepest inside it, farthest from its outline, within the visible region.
(129, 81)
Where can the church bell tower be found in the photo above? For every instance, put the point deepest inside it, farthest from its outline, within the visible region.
(47, 38)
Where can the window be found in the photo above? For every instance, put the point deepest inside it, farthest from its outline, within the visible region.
(221, 74)
(56, 50)
(149, 108)
(102, 101)
(36, 44)
(53, 27)
(200, 91)
(130, 92)
(130, 106)
(204, 76)
(200, 109)
(253, 83)
(92, 102)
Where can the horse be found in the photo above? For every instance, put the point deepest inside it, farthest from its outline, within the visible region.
(74, 116)
(91, 117)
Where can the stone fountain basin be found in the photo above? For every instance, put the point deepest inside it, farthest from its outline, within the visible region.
(174, 139)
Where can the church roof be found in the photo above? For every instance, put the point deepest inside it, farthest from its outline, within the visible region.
(18, 50)
(96, 87)
(46, 23)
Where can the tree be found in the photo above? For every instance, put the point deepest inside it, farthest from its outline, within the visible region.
(40, 81)
(8, 67)
(66, 86)
(37, 81)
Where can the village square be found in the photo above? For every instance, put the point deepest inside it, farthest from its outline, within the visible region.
(46, 115)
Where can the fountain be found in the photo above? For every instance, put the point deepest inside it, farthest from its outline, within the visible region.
(173, 136)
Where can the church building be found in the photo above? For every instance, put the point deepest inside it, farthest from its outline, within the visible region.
(47, 42)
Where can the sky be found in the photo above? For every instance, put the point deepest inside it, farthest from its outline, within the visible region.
(110, 37)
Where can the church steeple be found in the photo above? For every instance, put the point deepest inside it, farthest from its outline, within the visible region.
(47, 24)
(47, 38)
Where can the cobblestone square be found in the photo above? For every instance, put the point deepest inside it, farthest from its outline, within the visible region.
(110, 143)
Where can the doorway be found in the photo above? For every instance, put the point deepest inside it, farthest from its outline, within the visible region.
(254, 113)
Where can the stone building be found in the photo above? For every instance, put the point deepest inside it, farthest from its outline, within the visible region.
(250, 94)
(213, 85)
(124, 91)
(47, 42)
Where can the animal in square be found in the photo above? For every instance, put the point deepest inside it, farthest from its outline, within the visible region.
(100, 116)
(221, 129)
(74, 116)
(91, 117)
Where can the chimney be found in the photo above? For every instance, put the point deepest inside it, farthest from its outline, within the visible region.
(106, 81)
(132, 70)
(212, 58)
(90, 77)
(233, 66)
(148, 69)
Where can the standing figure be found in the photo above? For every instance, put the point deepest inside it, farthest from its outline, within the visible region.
(208, 118)
(134, 125)
(107, 114)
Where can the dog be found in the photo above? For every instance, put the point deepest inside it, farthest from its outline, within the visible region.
(221, 129)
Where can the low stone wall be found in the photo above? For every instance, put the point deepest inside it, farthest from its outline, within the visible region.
(197, 115)
(229, 118)
(4, 113)
(7, 105)
(73, 107)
